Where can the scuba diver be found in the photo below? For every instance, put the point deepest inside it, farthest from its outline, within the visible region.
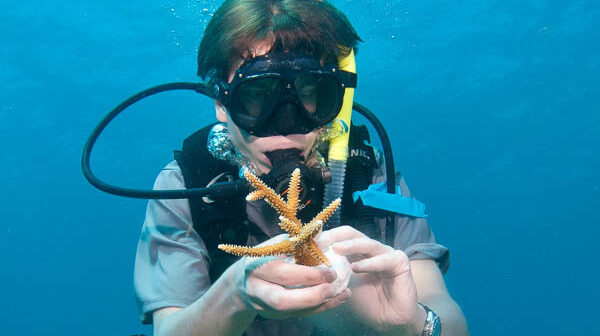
(280, 72)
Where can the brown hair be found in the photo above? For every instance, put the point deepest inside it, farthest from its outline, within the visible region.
(313, 27)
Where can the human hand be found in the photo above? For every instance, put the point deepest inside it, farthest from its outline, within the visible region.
(277, 289)
(384, 295)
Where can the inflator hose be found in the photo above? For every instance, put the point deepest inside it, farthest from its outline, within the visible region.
(390, 172)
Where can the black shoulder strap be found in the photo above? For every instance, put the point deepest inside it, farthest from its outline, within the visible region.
(217, 220)
(360, 167)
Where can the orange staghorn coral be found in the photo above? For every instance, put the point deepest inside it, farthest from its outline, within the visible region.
(301, 243)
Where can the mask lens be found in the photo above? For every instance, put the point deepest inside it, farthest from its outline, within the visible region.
(254, 100)
(320, 96)
(256, 94)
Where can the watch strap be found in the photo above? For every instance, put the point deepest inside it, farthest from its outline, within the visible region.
(433, 326)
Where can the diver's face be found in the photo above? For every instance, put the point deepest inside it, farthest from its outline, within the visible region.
(255, 147)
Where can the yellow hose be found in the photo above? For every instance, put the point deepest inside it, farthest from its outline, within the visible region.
(338, 146)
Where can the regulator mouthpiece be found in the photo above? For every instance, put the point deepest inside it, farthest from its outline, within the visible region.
(312, 180)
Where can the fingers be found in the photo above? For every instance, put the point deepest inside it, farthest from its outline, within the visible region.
(332, 303)
(340, 233)
(361, 246)
(391, 264)
(267, 296)
(283, 273)
(376, 257)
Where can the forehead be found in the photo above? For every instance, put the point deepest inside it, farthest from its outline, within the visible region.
(259, 48)
(251, 50)
(245, 52)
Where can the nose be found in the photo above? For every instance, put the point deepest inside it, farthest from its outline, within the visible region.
(287, 120)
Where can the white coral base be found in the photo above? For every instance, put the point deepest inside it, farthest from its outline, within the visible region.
(341, 266)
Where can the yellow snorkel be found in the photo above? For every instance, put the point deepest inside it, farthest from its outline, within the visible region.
(338, 144)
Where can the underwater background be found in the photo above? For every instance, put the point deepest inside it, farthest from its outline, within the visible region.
(492, 107)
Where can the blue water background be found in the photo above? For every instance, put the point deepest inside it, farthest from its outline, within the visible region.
(492, 108)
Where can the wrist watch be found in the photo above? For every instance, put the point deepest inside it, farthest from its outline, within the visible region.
(433, 326)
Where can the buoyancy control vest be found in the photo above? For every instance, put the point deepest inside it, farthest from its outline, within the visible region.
(223, 220)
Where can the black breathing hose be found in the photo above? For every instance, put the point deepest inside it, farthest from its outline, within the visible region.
(217, 189)
(385, 143)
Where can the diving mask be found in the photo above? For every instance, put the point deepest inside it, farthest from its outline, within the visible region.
(284, 93)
